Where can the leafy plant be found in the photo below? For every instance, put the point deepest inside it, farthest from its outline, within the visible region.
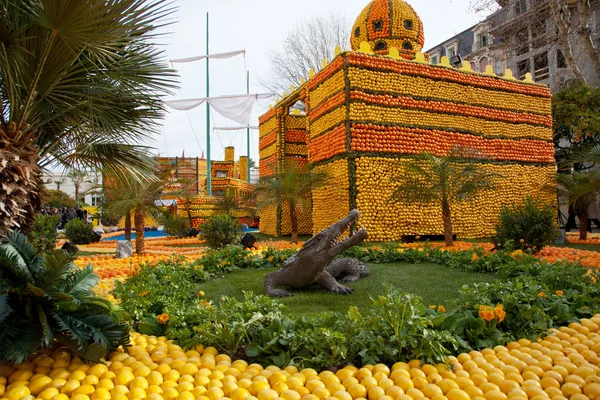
(57, 199)
(78, 232)
(44, 235)
(48, 299)
(175, 225)
(220, 231)
(531, 225)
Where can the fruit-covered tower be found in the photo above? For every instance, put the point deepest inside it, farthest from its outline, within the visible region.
(366, 111)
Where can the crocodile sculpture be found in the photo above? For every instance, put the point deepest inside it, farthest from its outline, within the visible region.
(315, 264)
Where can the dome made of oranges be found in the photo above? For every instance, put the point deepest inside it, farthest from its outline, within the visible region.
(389, 23)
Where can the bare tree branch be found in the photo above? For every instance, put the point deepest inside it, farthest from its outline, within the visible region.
(304, 48)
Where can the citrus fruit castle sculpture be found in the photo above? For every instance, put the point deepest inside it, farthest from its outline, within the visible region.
(383, 101)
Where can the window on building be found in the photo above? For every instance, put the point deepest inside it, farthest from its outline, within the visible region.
(435, 60)
(523, 67)
(96, 200)
(450, 52)
(560, 59)
(221, 174)
(408, 24)
(499, 68)
(540, 66)
(218, 193)
(520, 6)
(378, 25)
(483, 62)
(538, 33)
(522, 42)
(483, 40)
(357, 32)
(407, 45)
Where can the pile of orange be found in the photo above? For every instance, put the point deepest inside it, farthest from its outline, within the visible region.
(585, 257)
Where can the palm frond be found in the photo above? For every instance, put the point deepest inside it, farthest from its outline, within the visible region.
(18, 341)
(80, 284)
(93, 352)
(13, 267)
(58, 265)
(5, 308)
(21, 243)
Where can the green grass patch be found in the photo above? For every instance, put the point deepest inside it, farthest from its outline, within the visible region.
(591, 247)
(82, 253)
(437, 284)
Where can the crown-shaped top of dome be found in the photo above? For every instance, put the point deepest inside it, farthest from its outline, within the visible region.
(389, 23)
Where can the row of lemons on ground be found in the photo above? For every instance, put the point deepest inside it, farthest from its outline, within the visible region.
(564, 365)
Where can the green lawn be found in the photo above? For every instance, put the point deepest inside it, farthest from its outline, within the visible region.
(435, 283)
(592, 247)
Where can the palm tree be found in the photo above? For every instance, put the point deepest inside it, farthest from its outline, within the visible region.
(578, 190)
(80, 85)
(133, 197)
(59, 182)
(292, 187)
(78, 177)
(441, 180)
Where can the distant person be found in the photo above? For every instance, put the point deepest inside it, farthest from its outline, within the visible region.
(79, 213)
(71, 214)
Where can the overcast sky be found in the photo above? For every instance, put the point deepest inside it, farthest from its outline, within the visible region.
(257, 26)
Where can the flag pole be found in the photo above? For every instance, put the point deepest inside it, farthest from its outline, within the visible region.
(208, 166)
(248, 129)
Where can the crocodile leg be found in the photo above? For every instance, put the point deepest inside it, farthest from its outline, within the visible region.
(273, 280)
(348, 269)
(328, 282)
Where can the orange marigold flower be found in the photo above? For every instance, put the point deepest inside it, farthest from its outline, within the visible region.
(500, 313)
(442, 309)
(560, 292)
(475, 257)
(432, 307)
(486, 313)
(541, 294)
(162, 318)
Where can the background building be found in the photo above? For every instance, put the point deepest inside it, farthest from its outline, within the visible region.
(523, 36)
(65, 182)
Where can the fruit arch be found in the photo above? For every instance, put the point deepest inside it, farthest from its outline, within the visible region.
(365, 111)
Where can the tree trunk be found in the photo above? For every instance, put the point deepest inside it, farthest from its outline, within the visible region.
(447, 218)
(139, 232)
(77, 193)
(563, 38)
(294, 221)
(22, 187)
(127, 225)
(584, 31)
(583, 224)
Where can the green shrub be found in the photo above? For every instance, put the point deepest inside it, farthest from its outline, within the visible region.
(43, 235)
(531, 225)
(221, 230)
(48, 299)
(175, 226)
(78, 232)
(57, 199)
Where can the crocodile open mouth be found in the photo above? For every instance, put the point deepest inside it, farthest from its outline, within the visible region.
(337, 242)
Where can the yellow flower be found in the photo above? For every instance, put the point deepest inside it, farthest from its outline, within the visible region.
(162, 318)
(441, 309)
(560, 292)
(486, 313)
(144, 293)
(541, 294)
(500, 313)
(516, 253)
(475, 257)
(432, 307)
(201, 293)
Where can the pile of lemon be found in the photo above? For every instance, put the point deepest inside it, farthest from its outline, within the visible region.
(564, 365)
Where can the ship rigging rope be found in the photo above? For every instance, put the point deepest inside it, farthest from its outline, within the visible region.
(189, 120)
